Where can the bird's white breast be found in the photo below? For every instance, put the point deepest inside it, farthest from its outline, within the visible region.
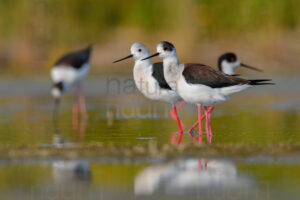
(199, 94)
(149, 86)
(69, 74)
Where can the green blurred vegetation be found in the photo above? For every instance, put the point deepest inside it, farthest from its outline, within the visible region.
(53, 21)
(34, 33)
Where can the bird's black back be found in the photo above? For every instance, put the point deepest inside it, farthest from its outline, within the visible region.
(158, 74)
(75, 59)
(195, 73)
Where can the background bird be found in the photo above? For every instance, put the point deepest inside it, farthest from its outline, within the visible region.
(69, 71)
(229, 61)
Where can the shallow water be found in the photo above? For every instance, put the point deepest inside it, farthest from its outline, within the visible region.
(188, 178)
(118, 114)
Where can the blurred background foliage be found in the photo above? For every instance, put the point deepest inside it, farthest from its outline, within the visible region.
(33, 34)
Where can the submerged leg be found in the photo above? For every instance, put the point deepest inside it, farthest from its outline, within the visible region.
(204, 116)
(211, 108)
(177, 119)
(195, 124)
(207, 128)
(199, 123)
(181, 104)
(173, 114)
(75, 115)
(174, 137)
(82, 103)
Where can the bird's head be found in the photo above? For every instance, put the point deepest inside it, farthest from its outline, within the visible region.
(229, 61)
(164, 50)
(58, 89)
(138, 51)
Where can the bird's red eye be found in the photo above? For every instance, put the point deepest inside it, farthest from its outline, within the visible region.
(233, 59)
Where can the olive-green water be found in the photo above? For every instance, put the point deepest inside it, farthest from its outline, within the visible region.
(118, 115)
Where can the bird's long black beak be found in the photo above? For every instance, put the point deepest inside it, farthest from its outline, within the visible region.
(249, 67)
(56, 105)
(130, 56)
(156, 54)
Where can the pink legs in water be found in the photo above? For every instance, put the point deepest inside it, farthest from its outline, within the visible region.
(208, 111)
(79, 103)
(82, 105)
(196, 124)
(75, 112)
(173, 114)
(206, 115)
(199, 123)
(180, 125)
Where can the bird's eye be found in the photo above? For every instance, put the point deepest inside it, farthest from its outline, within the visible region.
(140, 50)
(165, 48)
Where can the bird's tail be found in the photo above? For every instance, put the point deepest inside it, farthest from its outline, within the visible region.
(261, 82)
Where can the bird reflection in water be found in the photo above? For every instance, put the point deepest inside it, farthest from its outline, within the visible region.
(80, 130)
(68, 171)
(189, 175)
(59, 140)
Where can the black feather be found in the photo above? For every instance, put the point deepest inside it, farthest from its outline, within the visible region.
(75, 59)
(167, 46)
(195, 73)
(158, 74)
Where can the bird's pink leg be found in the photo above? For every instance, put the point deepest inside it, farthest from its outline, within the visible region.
(204, 116)
(181, 104)
(209, 140)
(173, 114)
(207, 121)
(177, 119)
(82, 104)
(174, 137)
(199, 123)
(196, 124)
(75, 111)
(211, 108)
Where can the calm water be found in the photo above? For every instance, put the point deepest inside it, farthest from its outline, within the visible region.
(118, 114)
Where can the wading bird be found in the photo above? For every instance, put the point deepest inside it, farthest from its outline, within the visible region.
(150, 81)
(69, 71)
(229, 61)
(200, 84)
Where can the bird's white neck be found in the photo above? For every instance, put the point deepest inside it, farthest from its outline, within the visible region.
(141, 71)
(144, 65)
(227, 68)
(172, 70)
(143, 62)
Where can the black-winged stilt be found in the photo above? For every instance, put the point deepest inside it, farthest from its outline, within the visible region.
(67, 72)
(200, 84)
(229, 61)
(150, 81)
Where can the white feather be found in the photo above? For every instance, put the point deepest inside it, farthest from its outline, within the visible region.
(69, 75)
(205, 95)
(227, 91)
(228, 68)
(149, 86)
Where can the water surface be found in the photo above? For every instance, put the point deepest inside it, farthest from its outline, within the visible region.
(117, 114)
